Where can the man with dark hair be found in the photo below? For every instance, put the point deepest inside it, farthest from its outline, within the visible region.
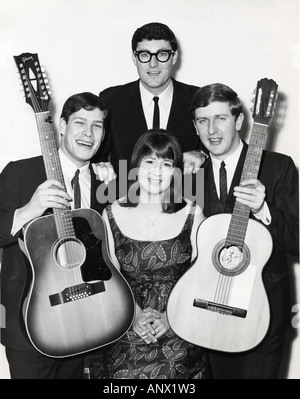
(25, 194)
(156, 100)
(273, 201)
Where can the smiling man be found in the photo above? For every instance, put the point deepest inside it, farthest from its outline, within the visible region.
(25, 194)
(155, 55)
(273, 201)
(81, 135)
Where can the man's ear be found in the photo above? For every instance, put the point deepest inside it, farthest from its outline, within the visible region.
(62, 126)
(175, 57)
(195, 127)
(133, 58)
(239, 121)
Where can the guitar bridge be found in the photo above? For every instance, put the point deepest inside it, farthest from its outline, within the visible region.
(76, 292)
(220, 308)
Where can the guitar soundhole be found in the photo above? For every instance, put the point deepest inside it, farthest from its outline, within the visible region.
(230, 261)
(69, 253)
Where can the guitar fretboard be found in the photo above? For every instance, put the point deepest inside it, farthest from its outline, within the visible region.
(62, 217)
(240, 216)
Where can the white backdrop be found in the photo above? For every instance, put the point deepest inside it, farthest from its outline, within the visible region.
(85, 45)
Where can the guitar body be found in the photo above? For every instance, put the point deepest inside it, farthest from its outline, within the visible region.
(74, 304)
(219, 308)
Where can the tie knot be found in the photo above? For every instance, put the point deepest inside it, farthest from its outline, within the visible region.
(155, 99)
(223, 164)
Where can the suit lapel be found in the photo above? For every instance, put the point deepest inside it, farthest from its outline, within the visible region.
(230, 201)
(134, 109)
(95, 204)
(94, 185)
(177, 106)
(207, 187)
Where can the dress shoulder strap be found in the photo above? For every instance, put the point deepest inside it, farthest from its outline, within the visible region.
(190, 217)
(111, 218)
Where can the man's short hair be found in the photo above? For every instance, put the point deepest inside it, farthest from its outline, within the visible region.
(216, 92)
(154, 31)
(86, 100)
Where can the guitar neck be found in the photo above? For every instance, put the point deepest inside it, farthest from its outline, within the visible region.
(63, 218)
(240, 216)
(49, 147)
(255, 149)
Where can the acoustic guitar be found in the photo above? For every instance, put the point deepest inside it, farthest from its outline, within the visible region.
(78, 300)
(220, 303)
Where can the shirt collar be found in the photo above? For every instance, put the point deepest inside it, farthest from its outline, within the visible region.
(232, 160)
(68, 167)
(164, 97)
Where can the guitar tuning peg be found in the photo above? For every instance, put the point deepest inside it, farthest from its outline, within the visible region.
(254, 91)
(252, 100)
(252, 109)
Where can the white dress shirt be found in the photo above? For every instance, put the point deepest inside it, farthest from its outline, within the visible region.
(231, 164)
(164, 103)
(69, 169)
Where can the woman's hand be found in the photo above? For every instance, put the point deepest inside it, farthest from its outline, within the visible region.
(142, 324)
(160, 325)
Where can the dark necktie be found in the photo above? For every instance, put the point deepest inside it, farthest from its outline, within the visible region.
(76, 188)
(223, 184)
(155, 124)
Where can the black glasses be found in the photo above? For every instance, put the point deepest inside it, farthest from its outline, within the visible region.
(161, 56)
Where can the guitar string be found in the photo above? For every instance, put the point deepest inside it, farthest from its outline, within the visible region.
(46, 146)
(70, 249)
(252, 162)
(38, 110)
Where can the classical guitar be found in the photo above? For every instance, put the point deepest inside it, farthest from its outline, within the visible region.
(220, 303)
(77, 301)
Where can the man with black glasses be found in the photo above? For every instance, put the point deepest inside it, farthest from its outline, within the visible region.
(155, 100)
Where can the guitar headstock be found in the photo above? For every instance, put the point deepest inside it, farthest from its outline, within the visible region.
(33, 81)
(265, 101)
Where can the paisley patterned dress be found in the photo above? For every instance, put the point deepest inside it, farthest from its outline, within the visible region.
(151, 269)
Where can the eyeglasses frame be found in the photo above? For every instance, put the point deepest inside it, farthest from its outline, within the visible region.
(170, 52)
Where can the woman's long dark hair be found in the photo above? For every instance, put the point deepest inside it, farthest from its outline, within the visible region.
(163, 144)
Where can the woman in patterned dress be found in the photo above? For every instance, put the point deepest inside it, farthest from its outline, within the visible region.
(152, 236)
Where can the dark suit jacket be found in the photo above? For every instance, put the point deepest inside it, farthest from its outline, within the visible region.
(280, 177)
(128, 123)
(18, 181)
